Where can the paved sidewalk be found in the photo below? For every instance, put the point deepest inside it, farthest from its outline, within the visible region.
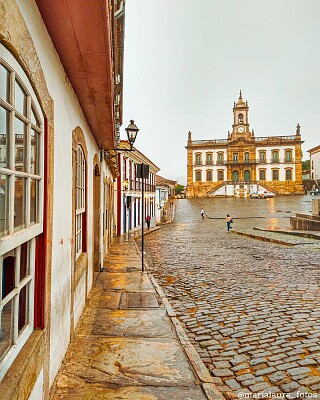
(129, 343)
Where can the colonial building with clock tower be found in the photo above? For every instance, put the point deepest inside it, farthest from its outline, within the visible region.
(243, 163)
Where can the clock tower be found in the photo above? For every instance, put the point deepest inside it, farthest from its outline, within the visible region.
(240, 127)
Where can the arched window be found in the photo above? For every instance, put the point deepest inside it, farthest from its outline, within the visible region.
(220, 176)
(198, 159)
(262, 174)
(288, 155)
(21, 205)
(220, 158)
(209, 176)
(198, 176)
(240, 119)
(275, 156)
(247, 175)
(235, 176)
(288, 174)
(262, 156)
(80, 201)
(209, 158)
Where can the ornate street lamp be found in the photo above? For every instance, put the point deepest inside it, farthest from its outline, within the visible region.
(132, 131)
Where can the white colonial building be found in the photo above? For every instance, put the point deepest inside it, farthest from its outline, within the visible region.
(315, 163)
(128, 200)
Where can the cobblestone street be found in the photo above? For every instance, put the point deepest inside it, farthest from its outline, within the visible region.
(250, 308)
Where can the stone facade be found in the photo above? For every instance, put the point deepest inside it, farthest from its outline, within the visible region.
(244, 161)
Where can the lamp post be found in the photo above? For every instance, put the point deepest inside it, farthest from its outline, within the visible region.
(125, 185)
(142, 172)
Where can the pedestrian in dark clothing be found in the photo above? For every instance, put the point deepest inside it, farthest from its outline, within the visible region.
(148, 219)
(202, 213)
(229, 222)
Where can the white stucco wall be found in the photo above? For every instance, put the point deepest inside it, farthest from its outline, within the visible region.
(315, 165)
(67, 116)
(37, 392)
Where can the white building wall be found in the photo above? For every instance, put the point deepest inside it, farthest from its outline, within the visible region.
(37, 392)
(67, 116)
(315, 165)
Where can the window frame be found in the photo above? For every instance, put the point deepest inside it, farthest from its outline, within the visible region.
(264, 158)
(264, 172)
(273, 172)
(196, 174)
(32, 119)
(273, 158)
(81, 200)
(291, 174)
(209, 171)
(198, 159)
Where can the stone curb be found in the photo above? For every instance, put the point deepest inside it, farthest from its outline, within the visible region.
(200, 369)
(263, 239)
(305, 235)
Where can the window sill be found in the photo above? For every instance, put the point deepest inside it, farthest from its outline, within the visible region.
(21, 377)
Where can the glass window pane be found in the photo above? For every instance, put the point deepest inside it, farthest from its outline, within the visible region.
(34, 118)
(4, 199)
(4, 83)
(24, 261)
(34, 201)
(35, 137)
(4, 133)
(20, 99)
(23, 307)
(20, 145)
(6, 328)
(8, 273)
(19, 203)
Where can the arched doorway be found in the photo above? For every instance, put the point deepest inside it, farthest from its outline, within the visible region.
(235, 176)
(247, 175)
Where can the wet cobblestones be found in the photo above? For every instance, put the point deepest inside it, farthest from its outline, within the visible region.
(250, 308)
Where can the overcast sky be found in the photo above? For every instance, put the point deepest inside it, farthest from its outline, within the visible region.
(185, 62)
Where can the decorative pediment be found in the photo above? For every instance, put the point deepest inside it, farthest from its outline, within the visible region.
(240, 141)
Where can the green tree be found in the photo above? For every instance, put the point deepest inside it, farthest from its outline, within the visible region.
(305, 165)
(179, 188)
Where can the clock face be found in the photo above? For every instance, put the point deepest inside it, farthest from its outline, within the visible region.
(240, 129)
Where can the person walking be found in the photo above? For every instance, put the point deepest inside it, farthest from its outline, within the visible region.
(148, 219)
(229, 222)
(202, 213)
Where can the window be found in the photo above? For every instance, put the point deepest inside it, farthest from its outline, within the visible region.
(209, 176)
(240, 119)
(198, 159)
(262, 174)
(288, 174)
(246, 156)
(275, 156)
(220, 176)
(262, 156)
(21, 205)
(198, 176)
(288, 155)
(80, 200)
(275, 174)
(220, 158)
(209, 159)
(235, 156)
(16, 298)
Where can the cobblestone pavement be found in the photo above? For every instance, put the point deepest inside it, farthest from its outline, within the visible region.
(250, 308)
